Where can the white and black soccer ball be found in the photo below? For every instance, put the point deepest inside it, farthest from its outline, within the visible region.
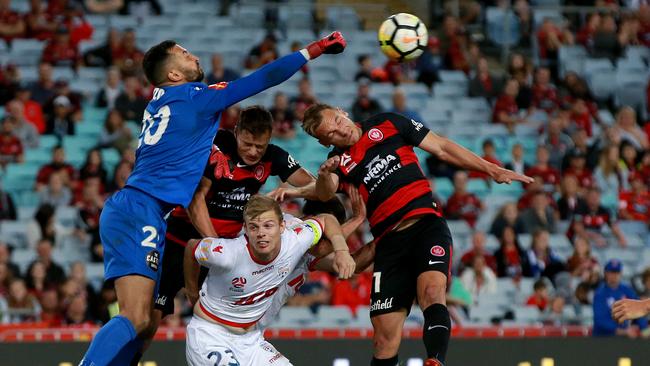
(402, 37)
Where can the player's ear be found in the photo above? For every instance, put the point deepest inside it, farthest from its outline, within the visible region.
(175, 76)
(282, 226)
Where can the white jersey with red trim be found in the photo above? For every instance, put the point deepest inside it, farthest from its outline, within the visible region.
(239, 289)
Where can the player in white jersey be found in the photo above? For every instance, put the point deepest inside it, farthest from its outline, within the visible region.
(244, 274)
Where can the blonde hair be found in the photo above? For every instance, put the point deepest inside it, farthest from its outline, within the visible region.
(313, 117)
(259, 204)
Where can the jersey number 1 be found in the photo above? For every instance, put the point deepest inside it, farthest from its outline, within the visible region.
(148, 123)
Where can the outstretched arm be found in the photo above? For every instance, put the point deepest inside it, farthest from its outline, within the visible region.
(451, 152)
(273, 73)
(198, 210)
(191, 269)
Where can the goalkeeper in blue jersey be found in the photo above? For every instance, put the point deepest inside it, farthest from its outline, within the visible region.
(179, 125)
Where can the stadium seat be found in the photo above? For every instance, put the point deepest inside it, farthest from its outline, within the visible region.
(527, 314)
(601, 85)
(15, 233)
(67, 216)
(295, 316)
(23, 257)
(332, 316)
(502, 27)
(453, 77)
(594, 66)
(639, 52)
(539, 15)
(342, 17)
(362, 318)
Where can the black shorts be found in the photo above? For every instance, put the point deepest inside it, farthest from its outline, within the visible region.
(401, 256)
(172, 279)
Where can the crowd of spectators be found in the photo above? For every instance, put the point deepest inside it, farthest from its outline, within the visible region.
(589, 175)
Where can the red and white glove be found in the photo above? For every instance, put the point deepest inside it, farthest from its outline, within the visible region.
(221, 164)
(332, 44)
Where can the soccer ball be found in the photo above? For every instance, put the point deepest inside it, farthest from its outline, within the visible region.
(402, 37)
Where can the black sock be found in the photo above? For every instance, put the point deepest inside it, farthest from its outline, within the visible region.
(136, 359)
(384, 361)
(436, 331)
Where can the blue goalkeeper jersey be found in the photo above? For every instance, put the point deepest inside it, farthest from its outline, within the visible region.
(180, 123)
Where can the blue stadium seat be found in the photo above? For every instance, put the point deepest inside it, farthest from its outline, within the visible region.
(597, 65)
(502, 27)
(342, 17)
(601, 85)
(640, 52)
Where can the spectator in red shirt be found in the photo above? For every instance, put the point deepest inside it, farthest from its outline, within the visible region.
(463, 205)
(545, 95)
(550, 175)
(635, 203)
(11, 149)
(74, 21)
(60, 51)
(57, 164)
(540, 297)
(478, 249)
(506, 110)
(40, 25)
(581, 116)
(590, 221)
(585, 35)
(32, 110)
(578, 168)
(352, 293)
(454, 44)
(128, 57)
(550, 38)
(489, 154)
(51, 312)
(11, 23)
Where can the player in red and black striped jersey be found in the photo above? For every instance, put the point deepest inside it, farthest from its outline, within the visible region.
(413, 242)
(240, 163)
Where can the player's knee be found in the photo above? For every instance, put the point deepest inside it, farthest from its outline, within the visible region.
(434, 294)
(141, 320)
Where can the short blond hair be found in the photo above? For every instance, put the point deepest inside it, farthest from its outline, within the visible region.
(259, 204)
(313, 117)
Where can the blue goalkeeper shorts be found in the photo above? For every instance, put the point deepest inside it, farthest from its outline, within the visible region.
(132, 230)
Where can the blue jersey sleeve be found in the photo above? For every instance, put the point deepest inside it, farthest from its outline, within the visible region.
(220, 96)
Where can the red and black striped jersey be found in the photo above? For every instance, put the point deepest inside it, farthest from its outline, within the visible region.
(228, 196)
(385, 169)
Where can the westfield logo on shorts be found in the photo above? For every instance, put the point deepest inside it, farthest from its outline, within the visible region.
(381, 305)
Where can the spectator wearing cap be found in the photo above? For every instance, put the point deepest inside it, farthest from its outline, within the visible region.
(131, 103)
(463, 205)
(635, 203)
(60, 51)
(43, 89)
(590, 220)
(364, 105)
(108, 94)
(60, 123)
(32, 110)
(607, 293)
(62, 88)
(25, 131)
(40, 25)
(57, 164)
(11, 149)
(484, 83)
(399, 106)
(11, 23)
(517, 163)
(430, 63)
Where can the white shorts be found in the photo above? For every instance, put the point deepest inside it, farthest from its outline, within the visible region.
(210, 344)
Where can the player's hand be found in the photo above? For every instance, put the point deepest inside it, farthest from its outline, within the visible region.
(628, 309)
(344, 264)
(358, 206)
(220, 162)
(334, 43)
(502, 175)
(283, 193)
(192, 295)
(329, 166)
